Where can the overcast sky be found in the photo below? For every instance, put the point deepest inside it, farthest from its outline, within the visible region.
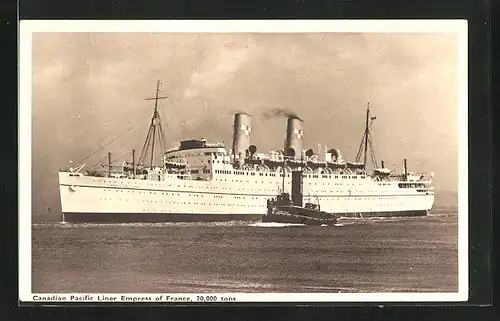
(87, 86)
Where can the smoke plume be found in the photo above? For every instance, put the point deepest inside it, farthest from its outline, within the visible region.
(280, 112)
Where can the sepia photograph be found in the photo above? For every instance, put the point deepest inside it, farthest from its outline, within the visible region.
(243, 161)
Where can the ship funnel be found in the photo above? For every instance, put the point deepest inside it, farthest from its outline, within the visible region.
(294, 134)
(297, 188)
(241, 135)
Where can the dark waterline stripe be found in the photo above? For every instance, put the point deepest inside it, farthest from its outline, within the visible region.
(81, 217)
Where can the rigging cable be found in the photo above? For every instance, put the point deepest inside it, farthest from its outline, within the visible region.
(101, 147)
(360, 150)
(372, 153)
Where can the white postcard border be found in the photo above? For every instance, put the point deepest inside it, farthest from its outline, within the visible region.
(28, 27)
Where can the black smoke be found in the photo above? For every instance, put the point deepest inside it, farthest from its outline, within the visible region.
(280, 112)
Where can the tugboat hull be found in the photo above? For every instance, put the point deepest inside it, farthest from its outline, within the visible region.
(299, 215)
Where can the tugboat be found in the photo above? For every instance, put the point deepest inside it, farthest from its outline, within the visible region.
(283, 209)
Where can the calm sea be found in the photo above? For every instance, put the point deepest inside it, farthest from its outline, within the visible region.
(359, 255)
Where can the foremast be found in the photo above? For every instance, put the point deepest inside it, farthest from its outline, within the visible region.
(155, 129)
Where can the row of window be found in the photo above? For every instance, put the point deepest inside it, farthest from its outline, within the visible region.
(207, 171)
(217, 171)
(179, 203)
(400, 185)
(335, 176)
(162, 210)
(238, 197)
(197, 171)
(288, 175)
(260, 190)
(178, 194)
(413, 185)
(288, 183)
(240, 205)
(221, 171)
(215, 154)
(209, 161)
(245, 181)
(187, 155)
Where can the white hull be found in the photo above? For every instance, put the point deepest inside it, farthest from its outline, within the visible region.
(233, 195)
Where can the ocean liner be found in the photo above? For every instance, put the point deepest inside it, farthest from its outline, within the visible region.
(203, 181)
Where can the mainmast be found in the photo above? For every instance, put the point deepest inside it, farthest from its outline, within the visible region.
(366, 132)
(367, 141)
(153, 130)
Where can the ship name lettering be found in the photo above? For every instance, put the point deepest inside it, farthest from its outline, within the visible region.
(178, 298)
(135, 298)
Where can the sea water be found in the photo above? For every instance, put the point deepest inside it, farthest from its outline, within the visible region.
(412, 254)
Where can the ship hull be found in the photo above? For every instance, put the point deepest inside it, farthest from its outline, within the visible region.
(107, 200)
(291, 219)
